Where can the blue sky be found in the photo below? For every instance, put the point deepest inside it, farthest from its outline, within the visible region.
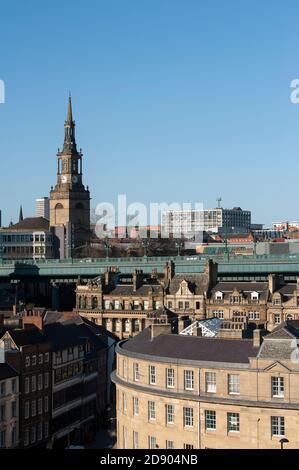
(173, 100)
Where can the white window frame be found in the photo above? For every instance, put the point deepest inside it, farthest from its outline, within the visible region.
(277, 387)
(136, 371)
(125, 405)
(233, 382)
(169, 445)
(135, 406)
(169, 413)
(211, 382)
(152, 375)
(152, 411)
(170, 377)
(233, 422)
(189, 379)
(135, 440)
(188, 417)
(152, 442)
(210, 420)
(277, 426)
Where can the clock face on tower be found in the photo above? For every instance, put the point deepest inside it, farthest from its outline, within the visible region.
(64, 179)
(74, 179)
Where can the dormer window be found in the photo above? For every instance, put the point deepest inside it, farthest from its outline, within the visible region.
(219, 295)
(255, 296)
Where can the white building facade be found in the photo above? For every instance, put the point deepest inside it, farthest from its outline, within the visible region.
(190, 223)
(9, 407)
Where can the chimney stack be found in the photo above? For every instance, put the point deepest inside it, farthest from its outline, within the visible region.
(158, 329)
(197, 331)
(258, 337)
(34, 317)
(137, 278)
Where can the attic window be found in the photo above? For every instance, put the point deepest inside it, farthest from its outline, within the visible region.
(219, 295)
(254, 295)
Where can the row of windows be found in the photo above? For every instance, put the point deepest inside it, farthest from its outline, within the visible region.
(183, 305)
(67, 372)
(34, 359)
(70, 354)
(118, 305)
(36, 433)
(233, 380)
(233, 423)
(233, 419)
(37, 407)
(5, 389)
(251, 315)
(37, 382)
(118, 325)
(18, 238)
(152, 441)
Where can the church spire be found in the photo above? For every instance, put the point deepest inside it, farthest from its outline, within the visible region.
(21, 214)
(69, 145)
(70, 110)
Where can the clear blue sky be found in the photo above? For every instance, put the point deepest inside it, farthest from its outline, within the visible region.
(173, 100)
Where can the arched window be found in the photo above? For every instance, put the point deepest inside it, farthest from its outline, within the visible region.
(80, 302)
(289, 317)
(59, 206)
(94, 302)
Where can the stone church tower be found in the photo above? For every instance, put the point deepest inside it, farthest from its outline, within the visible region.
(69, 200)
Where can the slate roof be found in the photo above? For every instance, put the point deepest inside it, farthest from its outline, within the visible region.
(23, 337)
(31, 223)
(69, 333)
(288, 289)
(281, 342)
(246, 288)
(197, 283)
(192, 348)
(241, 286)
(6, 372)
(128, 290)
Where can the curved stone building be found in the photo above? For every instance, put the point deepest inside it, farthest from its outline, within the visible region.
(185, 392)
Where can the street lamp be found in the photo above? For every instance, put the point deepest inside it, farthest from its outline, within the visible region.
(145, 244)
(179, 245)
(283, 441)
(107, 247)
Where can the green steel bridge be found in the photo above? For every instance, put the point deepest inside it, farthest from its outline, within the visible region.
(256, 267)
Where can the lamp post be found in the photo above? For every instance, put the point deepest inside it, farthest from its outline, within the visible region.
(282, 442)
(107, 247)
(179, 245)
(145, 244)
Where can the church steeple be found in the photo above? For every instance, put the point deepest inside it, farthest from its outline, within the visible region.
(69, 145)
(21, 218)
(70, 200)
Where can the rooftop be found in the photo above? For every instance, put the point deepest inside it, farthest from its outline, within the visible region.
(6, 372)
(191, 348)
(30, 223)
